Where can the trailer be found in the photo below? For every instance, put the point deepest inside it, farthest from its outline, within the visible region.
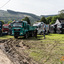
(21, 28)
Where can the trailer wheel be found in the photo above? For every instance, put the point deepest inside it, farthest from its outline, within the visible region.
(16, 37)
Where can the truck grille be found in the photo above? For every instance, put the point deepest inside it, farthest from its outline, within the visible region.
(16, 29)
(16, 33)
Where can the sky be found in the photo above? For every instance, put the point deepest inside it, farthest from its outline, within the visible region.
(38, 7)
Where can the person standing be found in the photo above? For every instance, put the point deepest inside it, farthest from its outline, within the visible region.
(44, 31)
(13, 21)
(35, 33)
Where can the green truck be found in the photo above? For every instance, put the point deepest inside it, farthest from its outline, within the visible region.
(21, 28)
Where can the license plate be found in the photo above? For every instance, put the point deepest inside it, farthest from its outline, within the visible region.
(5, 31)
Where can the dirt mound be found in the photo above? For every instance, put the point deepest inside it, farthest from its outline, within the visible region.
(14, 49)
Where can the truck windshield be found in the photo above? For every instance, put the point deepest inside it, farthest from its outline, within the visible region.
(5, 27)
(17, 24)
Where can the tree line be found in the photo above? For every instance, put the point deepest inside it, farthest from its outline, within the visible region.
(49, 20)
(52, 20)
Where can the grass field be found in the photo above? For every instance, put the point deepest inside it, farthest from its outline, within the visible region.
(6, 37)
(46, 51)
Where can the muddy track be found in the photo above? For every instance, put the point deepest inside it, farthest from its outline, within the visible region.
(14, 49)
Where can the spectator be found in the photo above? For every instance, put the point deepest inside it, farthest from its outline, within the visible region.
(44, 31)
(13, 21)
(35, 33)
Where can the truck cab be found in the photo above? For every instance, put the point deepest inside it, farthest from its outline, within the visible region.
(39, 26)
(60, 28)
(5, 28)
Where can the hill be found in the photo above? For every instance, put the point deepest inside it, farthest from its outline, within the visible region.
(46, 15)
(13, 15)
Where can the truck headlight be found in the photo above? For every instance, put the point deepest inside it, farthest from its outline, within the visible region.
(12, 33)
(21, 33)
(21, 26)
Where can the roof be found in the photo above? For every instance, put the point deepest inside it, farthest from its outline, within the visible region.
(61, 19)
(37, 23)
(20, 21)
(5, 24)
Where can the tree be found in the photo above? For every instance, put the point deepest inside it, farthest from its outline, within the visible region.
(48, 19)
(2, 22)
(37, 21)
(9, 22)
(43, 19)
(53, 20)
(27, 19)
(61, 13)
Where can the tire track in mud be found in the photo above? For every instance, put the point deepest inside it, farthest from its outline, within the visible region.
(14, 49)
(49, 53)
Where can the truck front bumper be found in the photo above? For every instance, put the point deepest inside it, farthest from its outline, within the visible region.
(17, 33)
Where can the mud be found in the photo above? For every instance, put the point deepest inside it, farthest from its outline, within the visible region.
(14, 49)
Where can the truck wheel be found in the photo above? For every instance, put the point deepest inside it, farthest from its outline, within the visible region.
(26, 35)
(58, 32)
(41, 33)
(32, 34)
(8, 33)
(1, 33)
(15, 36)
(47, 33)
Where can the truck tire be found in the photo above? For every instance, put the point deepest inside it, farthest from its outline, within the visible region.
(32, 34)
(16, 37)
(0, 33)
(47, 32)
(58, 32)
(41, 33)
(26, 35)
(8, 33)
(11, 32)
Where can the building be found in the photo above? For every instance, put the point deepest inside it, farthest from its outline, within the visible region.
(59, 20)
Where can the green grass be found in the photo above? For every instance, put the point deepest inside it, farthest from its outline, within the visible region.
(46, 51)
(6, 37)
